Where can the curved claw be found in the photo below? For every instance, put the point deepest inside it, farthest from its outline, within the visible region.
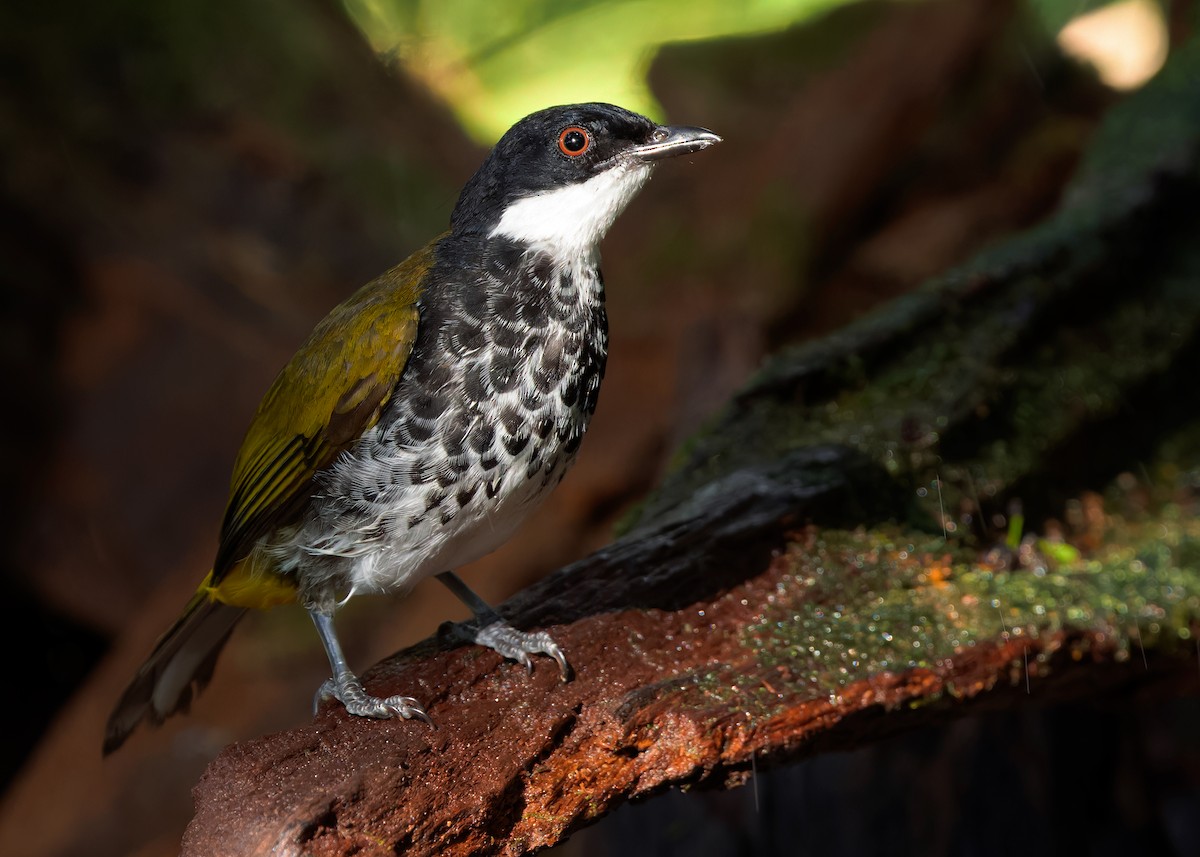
(408, 708)
(564, 668)
(348, 690)
(324, 692)
(519, 645)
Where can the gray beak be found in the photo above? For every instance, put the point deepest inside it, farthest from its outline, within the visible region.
(667, 141)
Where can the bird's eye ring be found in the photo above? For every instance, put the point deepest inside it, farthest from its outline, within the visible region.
(574, 141)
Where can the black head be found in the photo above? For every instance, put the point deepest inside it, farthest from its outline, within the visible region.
(567, 146)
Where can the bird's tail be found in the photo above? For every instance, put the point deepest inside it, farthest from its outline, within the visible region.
(179, 667)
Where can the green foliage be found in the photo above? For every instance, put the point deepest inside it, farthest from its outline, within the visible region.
(496, 62)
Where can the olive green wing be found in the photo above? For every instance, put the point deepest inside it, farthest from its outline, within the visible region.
(331, 391)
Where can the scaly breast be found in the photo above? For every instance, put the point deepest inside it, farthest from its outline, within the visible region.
(487, 418)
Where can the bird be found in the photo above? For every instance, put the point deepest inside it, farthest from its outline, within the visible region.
(427, 415)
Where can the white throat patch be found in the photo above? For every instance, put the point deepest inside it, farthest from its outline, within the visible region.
(571, 220)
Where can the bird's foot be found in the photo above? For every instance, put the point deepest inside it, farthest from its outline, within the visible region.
(511, 643)
(348, 690)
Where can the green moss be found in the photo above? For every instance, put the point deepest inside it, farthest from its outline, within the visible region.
(856, 604)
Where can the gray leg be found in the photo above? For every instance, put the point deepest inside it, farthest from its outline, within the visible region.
(490, 630)
(347, 689)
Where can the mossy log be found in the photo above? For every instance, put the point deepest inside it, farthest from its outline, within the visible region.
(839, 556)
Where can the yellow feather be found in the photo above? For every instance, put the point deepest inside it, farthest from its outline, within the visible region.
(331, 391)
(247, 584)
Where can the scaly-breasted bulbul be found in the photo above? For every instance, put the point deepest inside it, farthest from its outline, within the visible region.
(427, 415)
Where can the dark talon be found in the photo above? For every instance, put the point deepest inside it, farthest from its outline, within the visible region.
(564, 668)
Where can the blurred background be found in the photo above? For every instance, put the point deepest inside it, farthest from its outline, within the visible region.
(187, 187)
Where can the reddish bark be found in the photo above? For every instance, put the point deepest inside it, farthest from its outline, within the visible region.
(517, 762)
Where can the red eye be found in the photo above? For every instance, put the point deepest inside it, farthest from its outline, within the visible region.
(574, 141)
